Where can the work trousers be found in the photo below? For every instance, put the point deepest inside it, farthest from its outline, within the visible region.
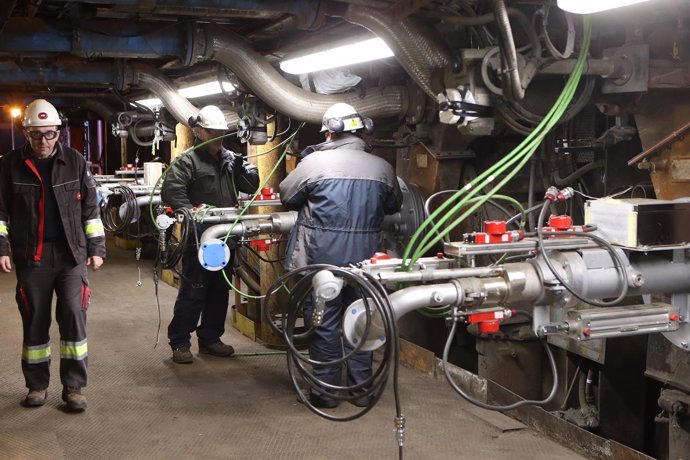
(202, 294)
(35, 286)
(328, 344)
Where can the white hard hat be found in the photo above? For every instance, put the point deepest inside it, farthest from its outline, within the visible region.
(211, 117)
(341, 117)
(41, 113)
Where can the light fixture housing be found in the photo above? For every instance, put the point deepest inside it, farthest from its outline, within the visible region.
(191, 92)
(593, 6)
(341, 56)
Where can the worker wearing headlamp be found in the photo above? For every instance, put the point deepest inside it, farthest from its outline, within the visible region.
(342, 193)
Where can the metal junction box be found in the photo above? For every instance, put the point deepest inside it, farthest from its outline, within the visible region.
(638, 222)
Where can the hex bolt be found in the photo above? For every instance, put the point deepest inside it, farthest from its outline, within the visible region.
(685, 344)
(438, 298)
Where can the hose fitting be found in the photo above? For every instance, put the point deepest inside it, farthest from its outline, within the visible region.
(400, 429)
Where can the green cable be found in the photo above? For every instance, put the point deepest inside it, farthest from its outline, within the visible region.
(507, 198)
(524, 150)
(438, 312)
(288, 142)
(552, 118)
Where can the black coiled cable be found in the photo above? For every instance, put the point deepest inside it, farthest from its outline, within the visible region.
(176, 248)
(300, 367)
(111, 214)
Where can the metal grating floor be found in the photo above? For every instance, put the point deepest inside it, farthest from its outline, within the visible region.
(143, 406)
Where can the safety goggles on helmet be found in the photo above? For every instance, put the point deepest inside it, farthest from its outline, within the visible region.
(47, 135)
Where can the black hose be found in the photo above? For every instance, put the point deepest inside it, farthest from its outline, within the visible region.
(512, 112)
(110, 214)
(560, 181)
(174, 251)
(245, 277)
(300, 367)
(483, 405)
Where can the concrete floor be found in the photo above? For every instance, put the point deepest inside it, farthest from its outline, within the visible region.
(141, 405)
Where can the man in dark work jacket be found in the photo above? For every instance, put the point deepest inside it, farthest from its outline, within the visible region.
(208, 175)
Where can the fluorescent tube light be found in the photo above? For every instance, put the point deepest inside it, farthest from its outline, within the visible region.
(594, 6)
(367, 50)
(203, 89)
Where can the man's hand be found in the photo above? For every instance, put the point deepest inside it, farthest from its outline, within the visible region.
(237, 162)
(96, 260)
(5, 264)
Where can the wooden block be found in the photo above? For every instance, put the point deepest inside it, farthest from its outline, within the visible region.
(417, 357)
(243, 324)
(125, 243)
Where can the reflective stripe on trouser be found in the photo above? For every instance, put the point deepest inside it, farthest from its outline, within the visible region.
(36, 354)
(35, 287)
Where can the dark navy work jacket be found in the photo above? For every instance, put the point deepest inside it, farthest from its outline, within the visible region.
(342, 194)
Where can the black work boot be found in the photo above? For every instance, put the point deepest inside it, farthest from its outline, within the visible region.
(217, 349)
(316, 400)
(76, 402)
(35, 398)
(182, 355)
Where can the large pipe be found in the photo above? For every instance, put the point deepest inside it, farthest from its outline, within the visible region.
(214, 42)
(27, 35)
(403, 302)
(208, 42)
(278, 222)
(306, 11)
(155, 81)
(67, 73)
(150, 78)
(514, 90)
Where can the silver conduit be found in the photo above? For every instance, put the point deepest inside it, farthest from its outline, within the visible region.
(410, 299)
(220, 230)
(416, 47)
(270, 86)
(155, 81)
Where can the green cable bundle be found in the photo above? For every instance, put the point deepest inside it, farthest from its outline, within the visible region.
(516, 159)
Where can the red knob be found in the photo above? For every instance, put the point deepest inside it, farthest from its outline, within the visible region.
(495, 226)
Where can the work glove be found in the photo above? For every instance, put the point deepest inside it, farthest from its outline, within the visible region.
(237, 162)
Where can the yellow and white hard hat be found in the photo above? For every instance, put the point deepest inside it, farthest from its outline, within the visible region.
(341, 117)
